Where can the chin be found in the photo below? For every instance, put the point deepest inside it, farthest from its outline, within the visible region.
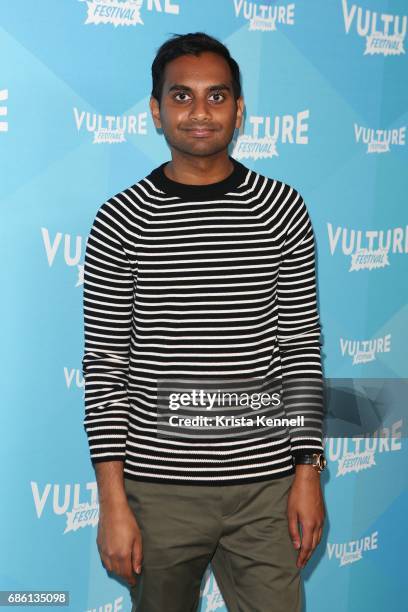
(202, 149)
(199, 147)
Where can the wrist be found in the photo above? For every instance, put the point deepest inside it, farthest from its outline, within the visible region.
(307, 472)
(113, 504)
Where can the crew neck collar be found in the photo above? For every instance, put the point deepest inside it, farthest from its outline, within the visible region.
(199, 192)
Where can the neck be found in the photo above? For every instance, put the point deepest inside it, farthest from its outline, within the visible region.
(195, 170)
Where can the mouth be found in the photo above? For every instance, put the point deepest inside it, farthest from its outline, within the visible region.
(200, 132)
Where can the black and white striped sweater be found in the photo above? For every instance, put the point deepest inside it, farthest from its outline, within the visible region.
(187, 280)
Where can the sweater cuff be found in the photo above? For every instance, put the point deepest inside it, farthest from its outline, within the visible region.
(100, 459)
(300, 447)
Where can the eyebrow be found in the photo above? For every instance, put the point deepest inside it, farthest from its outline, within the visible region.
(178, 86)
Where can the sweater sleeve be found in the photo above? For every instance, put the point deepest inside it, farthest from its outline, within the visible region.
(299, 333)
(107, 308)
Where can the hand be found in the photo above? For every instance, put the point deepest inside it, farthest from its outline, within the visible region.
(305, 506)
(119, 542)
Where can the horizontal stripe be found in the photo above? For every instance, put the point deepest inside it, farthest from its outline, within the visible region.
(206, 283)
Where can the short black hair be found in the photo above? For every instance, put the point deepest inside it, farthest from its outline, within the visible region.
(193, 43)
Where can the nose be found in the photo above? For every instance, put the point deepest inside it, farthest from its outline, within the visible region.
(200, 110)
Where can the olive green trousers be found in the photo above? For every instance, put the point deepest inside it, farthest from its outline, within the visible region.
(242, 530)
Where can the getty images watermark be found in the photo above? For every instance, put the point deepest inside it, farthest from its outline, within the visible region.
(218, 408)
(208, 409)
(205, 400)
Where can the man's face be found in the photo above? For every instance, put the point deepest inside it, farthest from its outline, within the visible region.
(198, 112)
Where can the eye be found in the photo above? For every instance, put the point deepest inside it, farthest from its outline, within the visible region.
(181, 93)
(218, 93)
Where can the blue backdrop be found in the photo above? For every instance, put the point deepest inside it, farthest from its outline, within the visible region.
(326, 89)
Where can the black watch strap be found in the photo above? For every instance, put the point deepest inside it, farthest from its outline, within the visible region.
(304, 458)
(318, 460)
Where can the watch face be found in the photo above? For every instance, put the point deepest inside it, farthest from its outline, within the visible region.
(319, 461)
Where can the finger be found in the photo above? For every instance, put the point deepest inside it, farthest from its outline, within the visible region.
(319, 535)
(293, 528)
(137, 557)
(127, 570)
(315, 534)
(121, 566)
(306, 547)
(313, 545)
(315, 538)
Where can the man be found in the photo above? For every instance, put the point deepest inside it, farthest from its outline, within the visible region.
(203, 269)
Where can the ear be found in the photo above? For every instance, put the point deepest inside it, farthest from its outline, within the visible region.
(155, 111)
(240, 111)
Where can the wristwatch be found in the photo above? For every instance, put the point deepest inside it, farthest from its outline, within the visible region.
(318, 460)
